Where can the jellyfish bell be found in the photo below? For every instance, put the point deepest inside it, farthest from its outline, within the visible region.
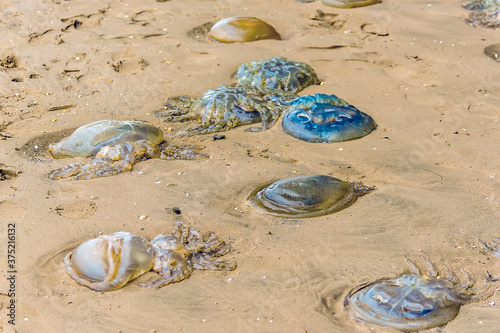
(108, 262)
(305, 196)
(90, 138)
(328, 123)
(242, 29)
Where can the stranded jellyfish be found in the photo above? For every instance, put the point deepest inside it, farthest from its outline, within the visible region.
(349, 3)
(325, 118)
(108, 262)
(223, 108)
(114, 147)
(177, 254)
(306, 196)
(484, 13)
(277, 73)
(413, 302)
(242, 29)
(89, 139)
(478, 5)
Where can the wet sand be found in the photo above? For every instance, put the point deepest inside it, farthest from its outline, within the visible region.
(417, 68)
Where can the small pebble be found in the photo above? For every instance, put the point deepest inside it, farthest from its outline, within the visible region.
(219, 137)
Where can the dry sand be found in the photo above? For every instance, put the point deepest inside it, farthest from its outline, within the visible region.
(416, 67)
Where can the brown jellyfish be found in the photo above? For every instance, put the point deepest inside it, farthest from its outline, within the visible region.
(242, 29)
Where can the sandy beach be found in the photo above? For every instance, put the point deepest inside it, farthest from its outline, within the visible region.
(417, 67)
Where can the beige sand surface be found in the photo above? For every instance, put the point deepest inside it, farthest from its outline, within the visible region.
(416, 67)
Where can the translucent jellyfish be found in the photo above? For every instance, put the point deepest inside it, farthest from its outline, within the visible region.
(479, 5)
(488, 18)
(485, 13)
(242, 29)
(412, 302)
(349, 3)
(326, 118)
(177, 254)
(89, 139)
(108, 262)
(306, 196)
(117, 146)
(226, 107)
(277, 73)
